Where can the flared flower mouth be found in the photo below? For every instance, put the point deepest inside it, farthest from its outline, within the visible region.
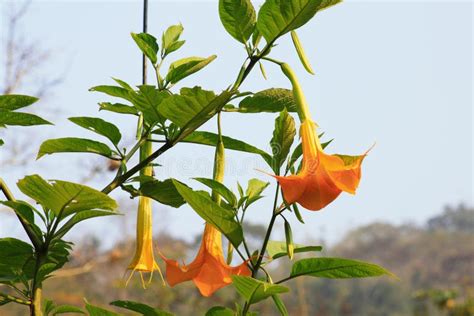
(322, 177)
(208, 270)
(144, 260)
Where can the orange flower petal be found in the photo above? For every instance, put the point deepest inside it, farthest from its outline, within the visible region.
(292, 186)
(208, 271)
(346, 173)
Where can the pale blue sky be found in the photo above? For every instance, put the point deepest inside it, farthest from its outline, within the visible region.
(398, 73)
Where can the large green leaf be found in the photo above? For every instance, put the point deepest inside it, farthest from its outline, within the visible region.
(140, 308)
(99, 126)
(67, 197)
(182, 108)
(15, 256)
(12, 102)
(238, 18)
(20, 119)
(162, 191)
(210, 139)
(212, 213)
(148, 45)
(147, 100)
(336, 268)
(253, 290)
(14, 252)
(73, 144)
(283, 137)
(278, 17)
(269, 100)
(277, 249)
(185, 67)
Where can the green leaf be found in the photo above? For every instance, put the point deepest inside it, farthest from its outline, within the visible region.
(238, 18)
(63, 309)
(99, 126)
(283, 136)
(182, 108)
(58, 255)
(301, 54)
(254, 190)
(170, 39)
(174, 47)
(278, 17)
(221, 189)
(14, 253)
(20, 119)
(67, 197)
(148, 45)
(73, 144)
(147, 100)
(48, 306)
(140, 308)
(118, 108)
(280, 305)
(336, 268)
(254, 291)
(114, 91)
(2, 142)
(210, 139)
(16, 261)
(220, 311)
(162, 191)
(270, 100)
(98, 311)
(278, 249)
(123, 84)
(185, 67)
(79, 217)
(13, 102)
(212, 213)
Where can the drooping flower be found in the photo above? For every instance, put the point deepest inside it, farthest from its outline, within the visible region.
(143, 260)
(208, 270)
(322, 177)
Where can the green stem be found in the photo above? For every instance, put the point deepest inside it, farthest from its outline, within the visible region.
(261, 254)
(26, 226)
(268, 233)
(35, 306)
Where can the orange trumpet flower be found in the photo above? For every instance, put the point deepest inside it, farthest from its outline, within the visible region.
(208, 271)
(322, 177)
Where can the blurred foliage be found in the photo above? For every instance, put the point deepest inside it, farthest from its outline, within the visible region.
(435, 264)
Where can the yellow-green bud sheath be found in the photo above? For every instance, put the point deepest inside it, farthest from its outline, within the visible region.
(301, 104)
(219, 160)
